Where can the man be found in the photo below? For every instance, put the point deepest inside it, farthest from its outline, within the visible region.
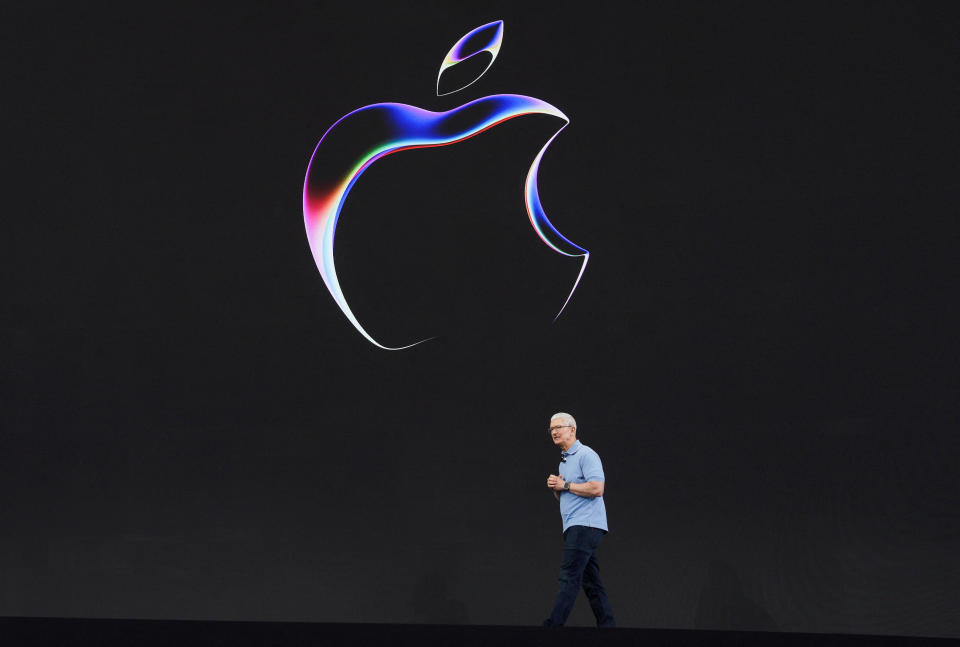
(579, 489)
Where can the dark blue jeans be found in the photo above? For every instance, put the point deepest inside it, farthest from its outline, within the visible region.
(580, 566)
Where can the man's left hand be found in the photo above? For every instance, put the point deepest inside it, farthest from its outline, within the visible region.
(555, 483)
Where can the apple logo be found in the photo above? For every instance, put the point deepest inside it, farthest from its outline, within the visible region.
(360, 138)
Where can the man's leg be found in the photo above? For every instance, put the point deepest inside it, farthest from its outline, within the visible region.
(576, 554)
(597, 595)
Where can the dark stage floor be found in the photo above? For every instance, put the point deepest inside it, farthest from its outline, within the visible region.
(146, 633)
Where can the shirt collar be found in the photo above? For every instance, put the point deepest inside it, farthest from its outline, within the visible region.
(573, 449)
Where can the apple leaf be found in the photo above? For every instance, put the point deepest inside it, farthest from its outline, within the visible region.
(486, 38)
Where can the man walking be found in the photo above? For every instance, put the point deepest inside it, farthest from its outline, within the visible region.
(579, 489)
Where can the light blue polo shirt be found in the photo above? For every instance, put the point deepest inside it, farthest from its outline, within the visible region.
(582, 465)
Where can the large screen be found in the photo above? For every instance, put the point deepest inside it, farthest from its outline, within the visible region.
(292, 291)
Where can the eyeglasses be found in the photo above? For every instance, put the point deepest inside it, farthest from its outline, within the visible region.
(552, 429)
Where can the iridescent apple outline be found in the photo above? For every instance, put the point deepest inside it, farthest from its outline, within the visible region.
(383, 128)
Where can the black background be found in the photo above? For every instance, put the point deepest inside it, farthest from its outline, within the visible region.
(762, 350)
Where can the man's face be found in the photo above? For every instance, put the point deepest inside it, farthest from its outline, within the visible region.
(562, 434)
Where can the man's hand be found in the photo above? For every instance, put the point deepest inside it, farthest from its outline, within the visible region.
(555, 482)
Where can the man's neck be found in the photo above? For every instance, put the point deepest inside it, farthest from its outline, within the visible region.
(567, 448)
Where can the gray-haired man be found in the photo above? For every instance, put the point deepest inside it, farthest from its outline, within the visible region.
(579, 489)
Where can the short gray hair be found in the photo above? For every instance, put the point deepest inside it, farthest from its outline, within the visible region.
(566, 417)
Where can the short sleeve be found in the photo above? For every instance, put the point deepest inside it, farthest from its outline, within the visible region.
(592, 467)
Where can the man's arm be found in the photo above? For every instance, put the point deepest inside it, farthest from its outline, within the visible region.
(588, 490)
(593, 473)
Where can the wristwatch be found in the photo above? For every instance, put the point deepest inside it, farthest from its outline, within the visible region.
(566, 486)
